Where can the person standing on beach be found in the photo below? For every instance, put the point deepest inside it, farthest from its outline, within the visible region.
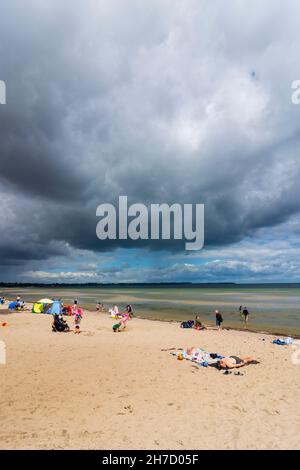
(129, 310)
(77, 321)
(246, 315)
(219, 319)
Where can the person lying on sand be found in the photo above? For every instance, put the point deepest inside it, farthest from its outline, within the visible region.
(232, 362)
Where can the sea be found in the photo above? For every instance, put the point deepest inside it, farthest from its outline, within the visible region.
(274, 308)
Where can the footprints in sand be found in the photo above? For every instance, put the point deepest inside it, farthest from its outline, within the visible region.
(271, 412)
(128, 409)
(239, 408)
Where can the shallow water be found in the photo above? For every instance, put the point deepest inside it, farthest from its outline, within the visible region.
(272, 308)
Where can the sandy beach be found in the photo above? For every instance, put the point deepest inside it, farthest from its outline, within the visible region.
(105, 390)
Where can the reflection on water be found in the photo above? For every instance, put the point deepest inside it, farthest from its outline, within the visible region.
(272, 308)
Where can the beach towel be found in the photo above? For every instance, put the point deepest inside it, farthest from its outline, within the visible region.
(199, 356)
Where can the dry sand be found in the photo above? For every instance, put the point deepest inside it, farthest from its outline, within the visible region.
(105, 390)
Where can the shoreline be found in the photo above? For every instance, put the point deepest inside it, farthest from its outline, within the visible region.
(228, 328)
(210, 327)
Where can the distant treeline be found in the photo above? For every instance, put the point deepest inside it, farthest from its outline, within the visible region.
(121, 284)
(147, 284)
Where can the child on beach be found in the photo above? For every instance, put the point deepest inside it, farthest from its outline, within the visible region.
(122, 324)
(219, 319)
(77, 320)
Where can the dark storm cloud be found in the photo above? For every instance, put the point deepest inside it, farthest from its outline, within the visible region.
(155, 101)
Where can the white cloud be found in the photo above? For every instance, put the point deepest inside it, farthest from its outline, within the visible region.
(60, 276)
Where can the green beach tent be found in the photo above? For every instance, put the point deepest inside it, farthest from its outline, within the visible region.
(38, 308)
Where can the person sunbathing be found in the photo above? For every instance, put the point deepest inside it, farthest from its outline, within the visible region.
(232, 362)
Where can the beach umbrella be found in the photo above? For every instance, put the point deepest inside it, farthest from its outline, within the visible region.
(45, 301)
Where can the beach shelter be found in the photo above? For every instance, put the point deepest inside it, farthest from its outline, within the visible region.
(67, 310)
(45, 301)
(55, 308)
(13, 305)
(38, 307)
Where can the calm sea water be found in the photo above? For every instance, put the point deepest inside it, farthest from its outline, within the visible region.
(272, 308)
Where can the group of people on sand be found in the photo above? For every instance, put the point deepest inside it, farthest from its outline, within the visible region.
(59, 323)
(198, 325)
(114, 311)
(121, 317)
(230, 362)
(19, 304)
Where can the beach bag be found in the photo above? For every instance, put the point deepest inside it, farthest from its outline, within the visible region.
(187, 324)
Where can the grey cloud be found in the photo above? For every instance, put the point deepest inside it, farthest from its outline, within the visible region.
(157, 102)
